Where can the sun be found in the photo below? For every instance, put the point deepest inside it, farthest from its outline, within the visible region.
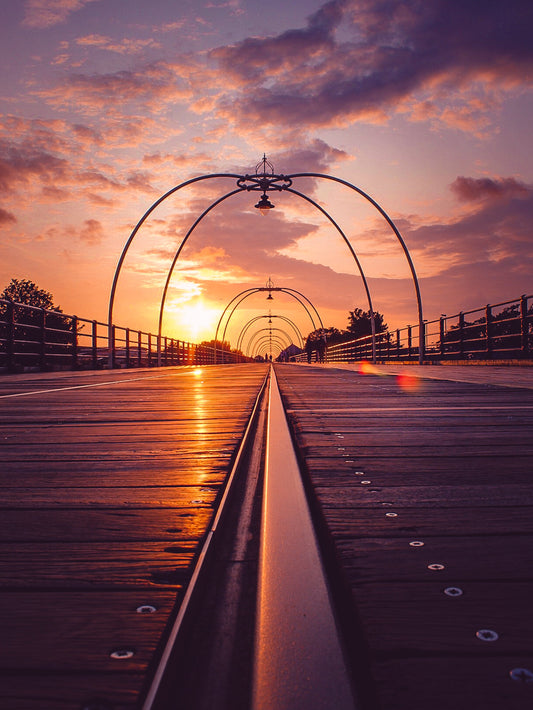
(196, 321)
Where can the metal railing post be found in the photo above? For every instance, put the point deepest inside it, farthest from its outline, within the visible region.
(42, 339)
(74, 328)
(112, 347)
(488, 331)
(139, 348)
(94, 344)
(10, 344)
(421, 342)
(398, 343)
(409, 341)
(461, 334)
(524, 327)
(127, 347)
(441, 335)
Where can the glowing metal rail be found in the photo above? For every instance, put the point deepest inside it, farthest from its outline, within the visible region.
(299, 662)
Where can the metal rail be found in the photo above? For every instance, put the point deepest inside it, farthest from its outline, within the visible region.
(43, 339)
(299, 663)
(499, 331)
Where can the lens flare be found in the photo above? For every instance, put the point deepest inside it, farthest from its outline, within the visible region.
(408, 383)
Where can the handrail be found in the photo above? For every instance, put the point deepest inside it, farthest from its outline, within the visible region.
(44, 339)
(503, 331)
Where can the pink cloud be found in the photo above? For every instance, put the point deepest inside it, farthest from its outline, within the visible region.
(311, 78)
(474, 189)
(92, 232)
(40, 14)
(7, 217)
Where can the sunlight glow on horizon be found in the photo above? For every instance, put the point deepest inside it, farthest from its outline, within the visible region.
(194, 321)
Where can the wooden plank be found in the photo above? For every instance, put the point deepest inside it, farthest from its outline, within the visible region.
(110, 496)
(453, 682)
(71, 691)
(418, 619)
(446, 464)
(95, 564)
(78, 631)
(116, 524)
(107, 493)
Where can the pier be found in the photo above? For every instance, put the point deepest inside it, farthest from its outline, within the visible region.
(133, 521)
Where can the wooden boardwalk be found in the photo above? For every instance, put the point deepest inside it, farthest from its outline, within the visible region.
(421, 488)
(424, 488)
(108, 483)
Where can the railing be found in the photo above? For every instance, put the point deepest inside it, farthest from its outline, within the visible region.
(501, 331)
(40, 339)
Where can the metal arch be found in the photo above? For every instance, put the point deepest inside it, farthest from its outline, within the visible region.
(260, 343)
(249, 292)
(282, 337)
(267, 342)
(354, 255)
(133, 235)
(288, 291)
(269, 330)
(421, 329)
(253, 320)
(240, 339)
(265, 183)
(174, 261)
(276, 350)
(284, 332)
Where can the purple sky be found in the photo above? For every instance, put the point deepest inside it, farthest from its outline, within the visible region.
(426, 106)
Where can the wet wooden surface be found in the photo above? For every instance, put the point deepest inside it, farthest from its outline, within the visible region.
(426, 485)
(108, 482)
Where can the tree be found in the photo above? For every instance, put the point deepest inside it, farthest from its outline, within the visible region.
(30, 322)
(360, 323)
(28, 293)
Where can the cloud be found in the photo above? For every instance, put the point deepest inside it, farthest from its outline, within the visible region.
(21, 164)
(41, 14)
(155, 85)
(123, 46)
(473, 189)
(390, 57)
(496, 230)
(7, 217)
(92, 232)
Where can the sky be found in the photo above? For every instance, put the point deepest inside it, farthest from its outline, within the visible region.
(425, 106)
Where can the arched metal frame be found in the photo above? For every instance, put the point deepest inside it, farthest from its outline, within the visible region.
(275, 331)
(248, 292)
(269, 315)
(267, 342)
(275, 348)
(264, 182)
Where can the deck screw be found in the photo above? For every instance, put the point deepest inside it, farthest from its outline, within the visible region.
(453, 591)
(391, 515)
(435, 566)
(522, 675)
(366, 483)
(487, 635)
(122, 653)
(416, 543)
(387, 504)
(146, 609)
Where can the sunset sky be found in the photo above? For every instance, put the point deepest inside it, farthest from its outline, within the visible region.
(426, 105)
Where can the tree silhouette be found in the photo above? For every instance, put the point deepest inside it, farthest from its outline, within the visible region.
(360, 323)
